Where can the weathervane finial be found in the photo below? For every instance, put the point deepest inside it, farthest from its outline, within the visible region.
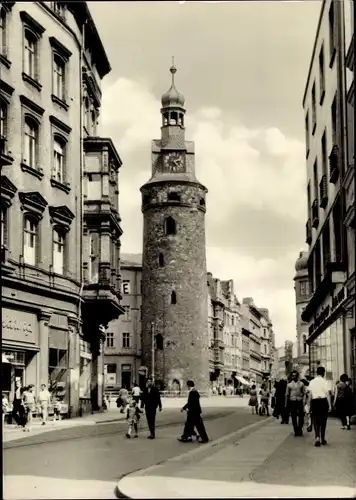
(173, 70)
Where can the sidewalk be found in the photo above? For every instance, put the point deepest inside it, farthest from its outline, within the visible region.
(269, 459)
(12, 432)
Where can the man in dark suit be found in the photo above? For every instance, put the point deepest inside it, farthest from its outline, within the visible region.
(151, 400)
(194, 418)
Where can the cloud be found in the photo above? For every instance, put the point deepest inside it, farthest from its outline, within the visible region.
(252, 174)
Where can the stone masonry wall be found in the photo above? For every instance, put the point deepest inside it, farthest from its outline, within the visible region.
(184, 325)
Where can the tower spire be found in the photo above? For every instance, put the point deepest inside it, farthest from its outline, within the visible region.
(173, 70)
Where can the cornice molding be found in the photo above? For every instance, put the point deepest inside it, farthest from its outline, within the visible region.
(60, 48)
(32, 23)
(32, 106)
(60, 125)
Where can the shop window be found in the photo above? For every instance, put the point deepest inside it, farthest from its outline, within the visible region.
(58, 365)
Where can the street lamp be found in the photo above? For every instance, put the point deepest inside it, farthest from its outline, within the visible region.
(153, 350)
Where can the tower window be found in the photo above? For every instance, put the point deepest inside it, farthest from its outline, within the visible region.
(202, 202)
(146, 199)
(173, 298)
(173, 118)
(159, 342)
(161, 259)
(173, 196)
(165, 119)
(171, 227)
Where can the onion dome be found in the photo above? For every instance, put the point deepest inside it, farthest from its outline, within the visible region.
(302, 262)
(172, 97)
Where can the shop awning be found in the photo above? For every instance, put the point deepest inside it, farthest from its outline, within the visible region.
(4, 358)
(243, 381)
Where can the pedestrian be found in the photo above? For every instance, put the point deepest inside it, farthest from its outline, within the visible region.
(194, 418)
(151, 400)
(29, 403)
(133, 417)
(136, 392)
(18, 411)
(343, 402)
(121, 401)
(307, 410)
(295, 401)
(44, 400)
(4, 407)
(253, 401)
(320, 405)
(264, 393)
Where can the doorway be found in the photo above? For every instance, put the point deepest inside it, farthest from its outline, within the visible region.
(126, 379)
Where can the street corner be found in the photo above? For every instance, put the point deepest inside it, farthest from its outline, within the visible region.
(178, 487)
(40, 487)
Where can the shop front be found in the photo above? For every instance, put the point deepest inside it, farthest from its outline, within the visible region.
(20, 349)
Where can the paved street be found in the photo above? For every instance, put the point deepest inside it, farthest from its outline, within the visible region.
(87, 461)
(268, 462)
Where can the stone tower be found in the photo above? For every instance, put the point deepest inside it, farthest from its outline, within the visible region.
(302, 295)
(174, 282)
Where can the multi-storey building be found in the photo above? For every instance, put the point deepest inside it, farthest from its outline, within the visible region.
(325, 111)
(51, 64)
(216, 309)
(245, 350)
(252, 323)
(232, 334)
(267, 344)
(123, 336)
(302, 295)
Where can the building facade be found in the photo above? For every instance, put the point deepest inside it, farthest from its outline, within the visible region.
(302, 295)
(46, 49)
(123, 337)
(216, 313)
(325, 111)
(251, 317)
(174, 278)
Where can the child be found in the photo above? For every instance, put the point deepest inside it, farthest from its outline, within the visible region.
(5, 406)
(264, 401)
(253, 401)
(133, 416)
(28, 400)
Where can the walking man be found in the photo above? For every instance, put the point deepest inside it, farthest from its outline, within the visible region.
(194, 418)
(320, 405)
(18, 410)
(44, 400)
(151, 400)
(295, 400)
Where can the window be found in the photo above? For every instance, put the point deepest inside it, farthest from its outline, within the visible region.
(94, 242)
(307, 139)
(30, 55)
(304, 288)
(58, 252)
(58, 8)
(172, 196)
(171, 226)
(159, 342)
(232, 320)
(58, 160)
(326, 244)
(332, 33)
(3, 122)
(126, 288)
(309, 200)
(317, 264)
(173, 298)
(3, 30)
(3, 227)
(322, 74)
(110, 342)
(93, 186)
(30, 241)
(202, 202)
(127, 313)
(93, 120)
(87, 114)
(313, 109)
(334, 121)
(58, 77)
(126, 340)
(315, 178)
(30, 143)
(161, 259)
(324, 154)
(304, 344)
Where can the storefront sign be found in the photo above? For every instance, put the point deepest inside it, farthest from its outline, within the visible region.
(19, 326)
(328, 310)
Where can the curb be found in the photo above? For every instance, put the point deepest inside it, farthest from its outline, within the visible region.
(239, 434)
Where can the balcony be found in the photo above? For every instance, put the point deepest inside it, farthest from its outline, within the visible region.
(334, 164)
(323, 191)
(315, 214)
(308, 231)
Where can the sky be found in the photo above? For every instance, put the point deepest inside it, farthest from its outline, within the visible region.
(242, 67)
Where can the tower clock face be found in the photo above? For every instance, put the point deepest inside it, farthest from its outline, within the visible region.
(174, 161)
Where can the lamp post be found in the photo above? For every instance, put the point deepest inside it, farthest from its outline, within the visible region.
(153, 350)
